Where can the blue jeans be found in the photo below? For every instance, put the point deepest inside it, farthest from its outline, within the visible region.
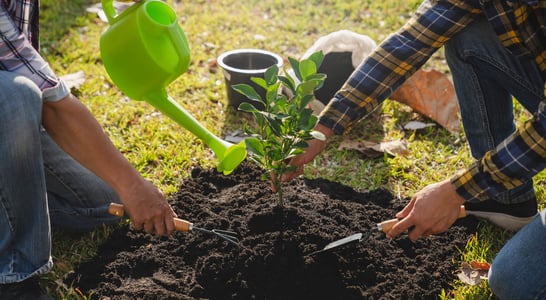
(518, 271)
(486, 76)
(40, 185)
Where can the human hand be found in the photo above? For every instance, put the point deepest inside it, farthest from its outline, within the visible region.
(431, 211)
(313, 149)
(148, 209)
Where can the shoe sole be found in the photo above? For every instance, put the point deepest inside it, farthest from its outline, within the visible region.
(501, 220)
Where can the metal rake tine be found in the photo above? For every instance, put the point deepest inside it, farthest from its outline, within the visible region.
(225, 232)
(229, 236)
(367, 236)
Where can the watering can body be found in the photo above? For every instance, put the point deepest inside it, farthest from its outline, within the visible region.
(144, 49)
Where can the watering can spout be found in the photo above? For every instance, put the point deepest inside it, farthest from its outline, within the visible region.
(229, 155)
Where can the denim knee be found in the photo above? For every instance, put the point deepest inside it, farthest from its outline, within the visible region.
(24, 223)
(20, 100)
(498, 280)
(518, 272)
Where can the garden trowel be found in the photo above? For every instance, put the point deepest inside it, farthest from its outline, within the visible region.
(384, 227)
(183, 225)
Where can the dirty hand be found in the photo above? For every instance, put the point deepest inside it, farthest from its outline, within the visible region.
(432, 210)
(313, 149)
(148, 209)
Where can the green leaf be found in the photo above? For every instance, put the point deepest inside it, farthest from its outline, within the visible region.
(271, 74)
(274, 154)
(255, 146)
(306, 100)
(272, 92)
(288, 82)
(295, 152)
(281, 103)
(295, 67)
(247, 91)
(307, 68)
(260, 82)
(319, 78)
(307, 120)
(275, 125)
(247, 107)
(317, 58)
(264, 177)
(267, 115)
(306, 87)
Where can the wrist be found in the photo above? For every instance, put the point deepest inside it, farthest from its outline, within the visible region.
(328, 132)
(453, 192)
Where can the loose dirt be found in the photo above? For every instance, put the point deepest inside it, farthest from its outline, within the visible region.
(271, 262)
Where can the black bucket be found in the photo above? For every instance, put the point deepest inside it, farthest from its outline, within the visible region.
(337, 66)
(242, 64)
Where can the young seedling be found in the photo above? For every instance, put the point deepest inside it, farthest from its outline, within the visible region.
(286, 122)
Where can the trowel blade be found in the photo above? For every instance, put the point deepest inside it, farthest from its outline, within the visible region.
(340, 242)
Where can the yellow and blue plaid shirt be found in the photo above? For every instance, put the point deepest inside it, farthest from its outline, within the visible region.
(520, 25)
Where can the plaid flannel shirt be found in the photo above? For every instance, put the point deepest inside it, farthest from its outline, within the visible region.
(19, 46)
(520, 26)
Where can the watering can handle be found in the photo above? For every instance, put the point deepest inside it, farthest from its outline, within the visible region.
(109, 10)
(178, 38)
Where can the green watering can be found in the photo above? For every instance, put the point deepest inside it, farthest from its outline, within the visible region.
(144, 50)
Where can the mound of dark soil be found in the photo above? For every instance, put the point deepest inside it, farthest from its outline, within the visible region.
(271, 262)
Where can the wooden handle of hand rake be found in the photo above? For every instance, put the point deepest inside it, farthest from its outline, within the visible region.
(179, 224)
(386, 226)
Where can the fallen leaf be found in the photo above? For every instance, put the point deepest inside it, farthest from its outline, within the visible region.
(471, 276)
(62, 266)
(373, 149)
(259, 37)
(416, 125)
(480, 265)
(74, 80)
(235, 136)
(431, 93)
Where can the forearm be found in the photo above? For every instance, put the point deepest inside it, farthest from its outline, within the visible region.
(73, 127)
(395, 60)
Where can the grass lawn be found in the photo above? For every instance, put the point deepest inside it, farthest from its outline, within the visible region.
(164, 152)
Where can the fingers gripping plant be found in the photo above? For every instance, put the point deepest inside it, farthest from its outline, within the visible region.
(286, 122)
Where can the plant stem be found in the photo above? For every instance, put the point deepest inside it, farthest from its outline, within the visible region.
(280, 200)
